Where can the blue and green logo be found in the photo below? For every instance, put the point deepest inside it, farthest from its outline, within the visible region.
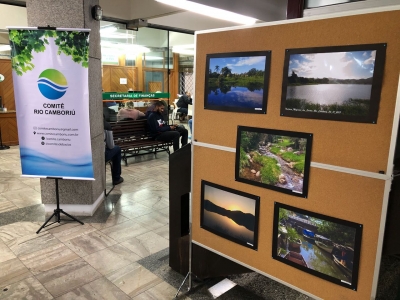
(52, 84)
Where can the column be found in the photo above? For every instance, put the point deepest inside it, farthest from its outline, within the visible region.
(78, 197)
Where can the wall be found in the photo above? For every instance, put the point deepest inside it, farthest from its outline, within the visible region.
(12, 16)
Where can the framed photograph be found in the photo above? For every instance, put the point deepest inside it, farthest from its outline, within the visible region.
(341, 83)
(323, 246)
(230, 214)
(274, 159)
(237, 82)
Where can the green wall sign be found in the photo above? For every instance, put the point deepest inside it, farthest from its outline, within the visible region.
(119, 96)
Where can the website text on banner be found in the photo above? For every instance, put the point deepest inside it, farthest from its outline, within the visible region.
(50, 73)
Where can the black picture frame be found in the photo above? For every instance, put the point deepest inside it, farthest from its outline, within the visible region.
(354, 106)
(214, 217)
(217, 100)
(339, 262)
(293, 166)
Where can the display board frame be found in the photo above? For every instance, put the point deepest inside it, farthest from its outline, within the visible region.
(342, 171)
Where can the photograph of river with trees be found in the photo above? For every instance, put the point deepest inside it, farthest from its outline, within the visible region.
(330, 83)
(273, 160)
(316, 243)
(236, 82)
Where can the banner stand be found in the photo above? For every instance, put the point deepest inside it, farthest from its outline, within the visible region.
(3, 147)
(57, 211)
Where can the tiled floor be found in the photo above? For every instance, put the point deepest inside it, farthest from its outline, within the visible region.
(97, 260)
(120, 253)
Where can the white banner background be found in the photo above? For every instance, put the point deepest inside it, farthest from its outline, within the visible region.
(54, 145)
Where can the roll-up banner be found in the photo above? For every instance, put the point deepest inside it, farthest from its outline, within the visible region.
(50, 73)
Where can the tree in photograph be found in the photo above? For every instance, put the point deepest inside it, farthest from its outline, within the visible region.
(225, 71)
(293, 78)
(252, 72)
(216, 68)
(24, 42)
(338, 233)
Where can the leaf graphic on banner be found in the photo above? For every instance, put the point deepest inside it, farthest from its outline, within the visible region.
(24, 42)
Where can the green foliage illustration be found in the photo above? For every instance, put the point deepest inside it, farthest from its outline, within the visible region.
(24, 42)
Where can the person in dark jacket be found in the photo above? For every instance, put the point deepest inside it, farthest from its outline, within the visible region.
(161, 131)
(183, 103)
(113, 153)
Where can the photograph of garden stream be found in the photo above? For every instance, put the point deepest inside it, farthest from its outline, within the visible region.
(273, 159)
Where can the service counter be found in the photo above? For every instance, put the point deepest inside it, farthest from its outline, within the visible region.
(8, 127)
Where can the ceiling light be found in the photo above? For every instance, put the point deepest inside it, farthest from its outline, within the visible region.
(147, 57)
(189, 46)
(108, 29)
(210, 11)
(183, 51)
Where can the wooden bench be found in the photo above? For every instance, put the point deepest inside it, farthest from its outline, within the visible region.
(134, 139)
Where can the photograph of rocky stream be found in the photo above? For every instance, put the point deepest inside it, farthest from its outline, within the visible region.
(274, 160)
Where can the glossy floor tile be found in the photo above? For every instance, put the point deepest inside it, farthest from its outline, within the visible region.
(67, 277)
(134, 279)
(100, 289)
(11, 271)
(90, 243)
(28, 288)
(120, 253)
(146, 244)
(116, 256)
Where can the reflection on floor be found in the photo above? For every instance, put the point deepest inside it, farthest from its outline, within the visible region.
(120, 253)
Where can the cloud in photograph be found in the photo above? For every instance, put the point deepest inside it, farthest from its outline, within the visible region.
(238, 64)
(338, 65)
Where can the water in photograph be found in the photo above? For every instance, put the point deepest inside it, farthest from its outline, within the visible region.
(236, 97)
(228, 227)
(329, 93)
(320, 260)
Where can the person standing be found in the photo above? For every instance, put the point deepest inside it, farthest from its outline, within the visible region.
(161, 131)
(183, 103)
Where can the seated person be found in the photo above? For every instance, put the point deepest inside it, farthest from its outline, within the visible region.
(109, 114)
(163, 132)
(190, 126)
(183, 103)
(113, 153)
(129, 112)
(151, 108)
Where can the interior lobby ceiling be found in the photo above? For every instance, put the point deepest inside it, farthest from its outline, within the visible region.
(165, 15)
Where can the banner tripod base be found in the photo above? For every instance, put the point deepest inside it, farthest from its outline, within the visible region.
(57, 213)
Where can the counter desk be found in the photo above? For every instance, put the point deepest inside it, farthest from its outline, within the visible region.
(8, 127)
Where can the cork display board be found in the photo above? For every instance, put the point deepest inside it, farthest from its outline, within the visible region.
(358, 146)
(344, 144)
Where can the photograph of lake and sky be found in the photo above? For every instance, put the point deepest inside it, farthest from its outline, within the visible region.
(230, 214)
(330, 83)
(237, 82)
